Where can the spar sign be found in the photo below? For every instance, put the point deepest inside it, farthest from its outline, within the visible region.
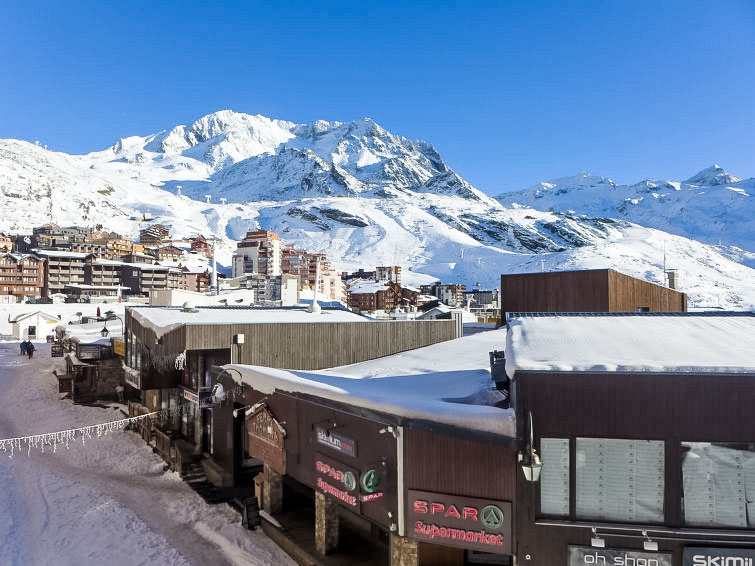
(464, 522)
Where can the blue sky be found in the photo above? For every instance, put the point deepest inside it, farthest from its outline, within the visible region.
(509, 93)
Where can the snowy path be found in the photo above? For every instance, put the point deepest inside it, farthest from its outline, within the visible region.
(107, 502)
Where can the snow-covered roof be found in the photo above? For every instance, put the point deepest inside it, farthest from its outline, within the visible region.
(627, 342)
(164, 319)
(447, 383)
(367, 287)
(35, 313)
(96, 287)
(60, 253)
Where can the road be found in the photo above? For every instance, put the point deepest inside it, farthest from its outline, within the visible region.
(108, 501)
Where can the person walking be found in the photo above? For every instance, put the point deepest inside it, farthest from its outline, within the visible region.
(29, 349)
(23, 347)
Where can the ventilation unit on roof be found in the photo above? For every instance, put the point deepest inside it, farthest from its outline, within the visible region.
(498, 372)
(188, 307)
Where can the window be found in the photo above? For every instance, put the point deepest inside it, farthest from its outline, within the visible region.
(619, 480)
(554, 477)
(615, 479)
(719, 484)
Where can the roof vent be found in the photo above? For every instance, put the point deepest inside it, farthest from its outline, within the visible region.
(188, 307)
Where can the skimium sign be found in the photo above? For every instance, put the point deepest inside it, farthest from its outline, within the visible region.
(706, 556)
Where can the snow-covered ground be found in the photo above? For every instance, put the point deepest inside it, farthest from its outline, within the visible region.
(108, 501)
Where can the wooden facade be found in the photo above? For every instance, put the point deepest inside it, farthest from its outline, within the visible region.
(670, 408)
(300, 346)
(598, 290)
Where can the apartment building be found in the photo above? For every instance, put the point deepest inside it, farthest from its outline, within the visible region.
(63, 268)
(259, 252)
(21, 277)
(155, 235)
(54, 236)
(451, 294)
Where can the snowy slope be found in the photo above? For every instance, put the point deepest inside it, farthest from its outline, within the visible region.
(367, 197)
(711, 206)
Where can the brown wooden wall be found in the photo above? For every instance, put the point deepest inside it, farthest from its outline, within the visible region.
(558, 291)
(626, 294)
(308, 346)
(599, 290)
(457, 466)
(671, 407)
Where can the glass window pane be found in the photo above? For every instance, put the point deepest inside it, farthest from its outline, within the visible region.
(619, 480)
(554, 477)
(719, 484)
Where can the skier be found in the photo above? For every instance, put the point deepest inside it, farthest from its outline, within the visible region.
(29, 348)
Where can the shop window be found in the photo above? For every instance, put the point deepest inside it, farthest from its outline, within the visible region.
(619, 480)
(719, 484)
(554, 477)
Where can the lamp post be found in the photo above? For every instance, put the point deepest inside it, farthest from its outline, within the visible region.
(105, 331)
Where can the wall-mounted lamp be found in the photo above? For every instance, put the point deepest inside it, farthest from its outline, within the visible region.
(389, 429)
(597, 541)
(529, 460)
(648, 543)
(104, 332)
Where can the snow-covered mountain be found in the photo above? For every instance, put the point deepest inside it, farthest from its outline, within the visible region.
(367, 197)
(712, 206)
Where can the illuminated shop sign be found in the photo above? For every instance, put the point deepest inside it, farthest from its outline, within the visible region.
(336, 441)
(464, 522)
(585, 555)
(706, 556)
(339, 481)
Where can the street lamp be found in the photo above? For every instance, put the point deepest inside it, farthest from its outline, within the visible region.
(105, 331)
(529, 460)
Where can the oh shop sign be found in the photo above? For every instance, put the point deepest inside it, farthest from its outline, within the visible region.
(464, 522)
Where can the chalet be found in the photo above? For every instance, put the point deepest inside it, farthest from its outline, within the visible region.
(6, 243)
(169, 253)
(21, 277)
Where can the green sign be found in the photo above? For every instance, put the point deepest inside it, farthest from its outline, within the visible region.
(370, 481)
(491, 516)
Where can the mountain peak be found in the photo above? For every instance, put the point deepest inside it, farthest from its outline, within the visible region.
(712, 176)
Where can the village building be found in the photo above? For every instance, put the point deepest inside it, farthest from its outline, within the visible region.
(33, 325)
(451, 294)
(94, 293)
(638, 438)
(201, 246)
(52, 236)
(6, 243)
(169, 253)
(410, 459)
(142, 278)
(258, 253)
(61, 268)
(170, 352)
(592, 290)
(154, 235)
(372, 296)
(22, 277)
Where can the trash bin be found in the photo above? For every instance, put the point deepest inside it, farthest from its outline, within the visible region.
(250, 516)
